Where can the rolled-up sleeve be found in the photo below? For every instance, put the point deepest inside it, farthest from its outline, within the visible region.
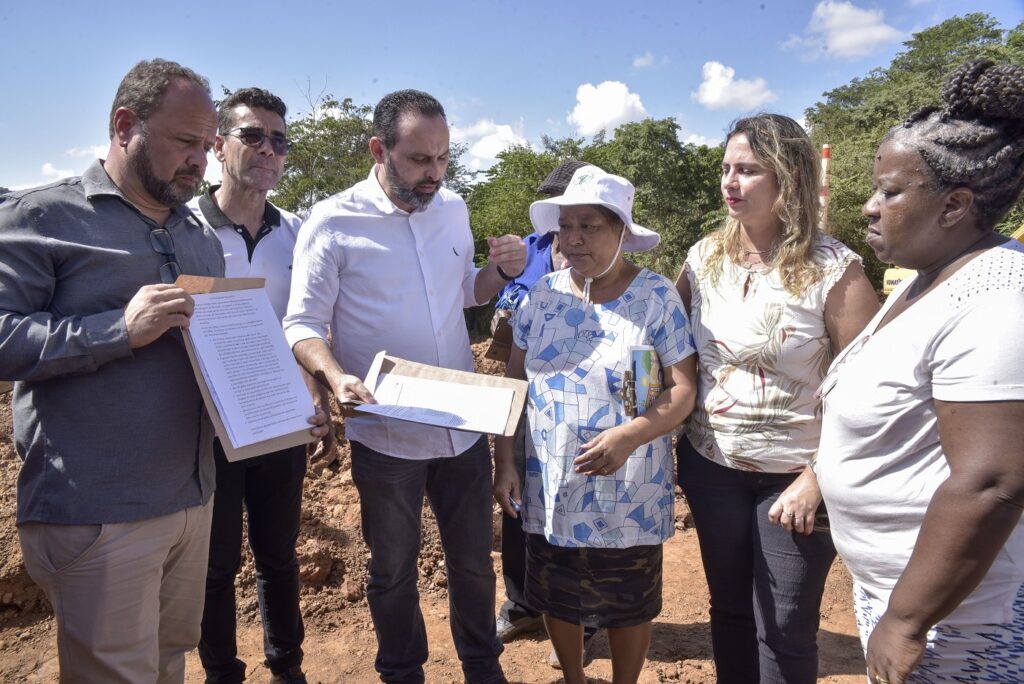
(36, 344)
(316, 269)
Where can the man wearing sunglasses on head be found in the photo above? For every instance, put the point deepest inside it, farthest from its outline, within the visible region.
(114, 494)
(258, 239)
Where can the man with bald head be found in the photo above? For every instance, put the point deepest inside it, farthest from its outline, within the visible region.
(114, 494)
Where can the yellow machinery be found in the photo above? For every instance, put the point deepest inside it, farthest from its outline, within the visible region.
(894, 276)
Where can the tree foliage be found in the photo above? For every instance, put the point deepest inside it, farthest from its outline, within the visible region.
(676, 186)
(854, 117)
(330, 152)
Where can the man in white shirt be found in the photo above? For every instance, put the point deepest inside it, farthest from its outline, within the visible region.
(388, 264)
(258, 240)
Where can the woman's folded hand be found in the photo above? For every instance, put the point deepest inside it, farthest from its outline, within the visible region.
(606, 453)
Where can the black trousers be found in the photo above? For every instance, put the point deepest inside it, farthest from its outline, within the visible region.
(270, 489)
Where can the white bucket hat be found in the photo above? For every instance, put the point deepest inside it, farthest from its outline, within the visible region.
(591, 185)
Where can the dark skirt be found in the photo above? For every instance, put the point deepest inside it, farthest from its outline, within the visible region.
(594, 587)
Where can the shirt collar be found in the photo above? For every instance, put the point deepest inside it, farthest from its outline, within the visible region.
(217, 219)
(97, 182)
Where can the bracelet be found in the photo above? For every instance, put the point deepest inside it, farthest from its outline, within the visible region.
(506, 277)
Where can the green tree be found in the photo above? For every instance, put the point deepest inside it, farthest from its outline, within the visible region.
(677, 186)
(330, 152)
(853, 118)
(458, 178)
(500, 205)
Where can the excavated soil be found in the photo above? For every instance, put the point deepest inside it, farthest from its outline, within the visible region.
(340, 642)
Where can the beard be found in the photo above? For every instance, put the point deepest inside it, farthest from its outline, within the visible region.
(168, 193)
(406, 192)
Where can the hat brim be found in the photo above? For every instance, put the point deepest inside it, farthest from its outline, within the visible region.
(544, 217)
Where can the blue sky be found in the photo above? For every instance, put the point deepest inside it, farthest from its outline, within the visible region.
(505, 71)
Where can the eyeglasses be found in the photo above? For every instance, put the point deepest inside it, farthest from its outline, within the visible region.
(252, 136)
(162, 243)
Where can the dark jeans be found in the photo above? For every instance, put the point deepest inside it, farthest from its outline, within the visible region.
(513, 569)
(765, 583)
(391, 494)
(513, 545)
(270, 488)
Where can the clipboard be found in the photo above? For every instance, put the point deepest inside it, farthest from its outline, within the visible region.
(206, 285)
(383, 364)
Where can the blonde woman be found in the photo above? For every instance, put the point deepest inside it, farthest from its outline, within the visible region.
(771, 301)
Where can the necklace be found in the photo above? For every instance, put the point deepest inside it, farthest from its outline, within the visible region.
(764, 257)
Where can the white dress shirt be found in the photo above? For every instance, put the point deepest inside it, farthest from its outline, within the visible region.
(387, 279)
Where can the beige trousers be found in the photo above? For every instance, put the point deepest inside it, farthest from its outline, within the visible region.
(128, 597)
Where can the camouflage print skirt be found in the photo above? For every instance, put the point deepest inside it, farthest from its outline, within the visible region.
(594, 587)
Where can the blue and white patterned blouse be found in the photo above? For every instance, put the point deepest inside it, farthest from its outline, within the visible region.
(575, 358)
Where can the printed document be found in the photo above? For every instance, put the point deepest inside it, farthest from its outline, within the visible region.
(445, 404)
(253, 378)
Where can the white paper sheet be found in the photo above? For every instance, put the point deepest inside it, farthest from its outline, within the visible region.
(248, 366)
(445, 404)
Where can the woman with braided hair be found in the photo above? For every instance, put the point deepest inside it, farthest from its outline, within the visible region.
(921, 460)
(772, 300)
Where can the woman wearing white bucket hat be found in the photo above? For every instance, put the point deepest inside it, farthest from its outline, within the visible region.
(598, 496)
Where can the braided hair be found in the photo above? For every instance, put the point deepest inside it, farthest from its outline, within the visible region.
(976, 140)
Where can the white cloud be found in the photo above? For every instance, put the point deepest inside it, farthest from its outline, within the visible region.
(486, 139)
(695, 139)
(604, 107)
(644, 60)
(688, 137)
(90, 151)
(648, 59)
(214, 170)
(841, 30)
(52, 173)
(48, 173)
(720, 89)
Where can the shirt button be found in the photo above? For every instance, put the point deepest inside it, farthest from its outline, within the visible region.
(421, 252)
(430, 292)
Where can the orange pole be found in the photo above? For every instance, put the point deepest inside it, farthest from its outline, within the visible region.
(826, 170)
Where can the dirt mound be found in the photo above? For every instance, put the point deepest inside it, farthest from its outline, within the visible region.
(340, 643)
(17, 591)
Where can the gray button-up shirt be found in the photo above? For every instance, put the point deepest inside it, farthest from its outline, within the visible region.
(106, 433)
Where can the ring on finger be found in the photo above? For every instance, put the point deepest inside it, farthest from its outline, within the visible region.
(879, 679)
